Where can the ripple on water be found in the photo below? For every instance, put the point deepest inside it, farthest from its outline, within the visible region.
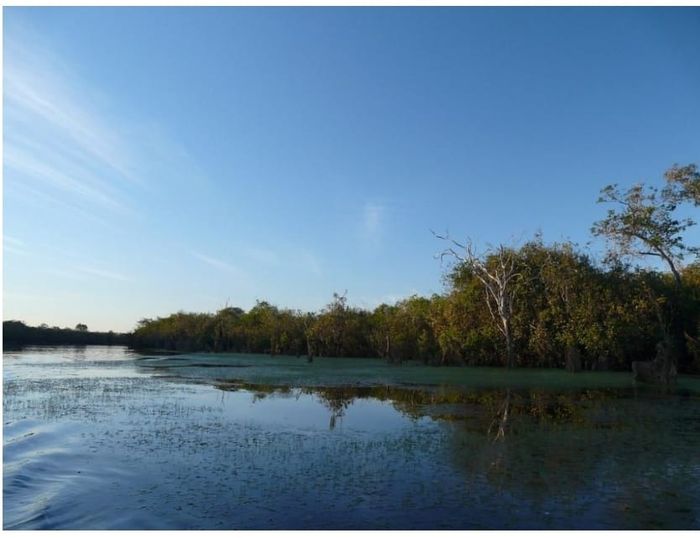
(124, 448)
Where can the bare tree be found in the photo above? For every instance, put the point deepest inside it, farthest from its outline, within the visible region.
(496, 270)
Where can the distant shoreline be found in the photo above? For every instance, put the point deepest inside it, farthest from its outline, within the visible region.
(17, 333)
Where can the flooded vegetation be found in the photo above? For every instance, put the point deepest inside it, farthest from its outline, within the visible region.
(104, 438)
(351, 268)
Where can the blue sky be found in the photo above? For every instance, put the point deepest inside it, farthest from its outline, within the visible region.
(158, 159)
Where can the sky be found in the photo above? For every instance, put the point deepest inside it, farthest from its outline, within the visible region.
(165, 159)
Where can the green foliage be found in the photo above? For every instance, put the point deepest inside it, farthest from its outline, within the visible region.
(557, 300)
(644, 220)
(562, 299)
(341, 331)
(404, 331)
(684, 181)
(645, 223)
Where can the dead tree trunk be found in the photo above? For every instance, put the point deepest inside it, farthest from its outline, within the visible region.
(497, 272)
(510, 351)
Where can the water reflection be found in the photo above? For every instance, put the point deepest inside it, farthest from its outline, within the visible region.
(599, 458)
(493, 412)
(100, 441)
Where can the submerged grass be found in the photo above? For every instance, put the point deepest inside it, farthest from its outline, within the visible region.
(328, 372)
(351, 444)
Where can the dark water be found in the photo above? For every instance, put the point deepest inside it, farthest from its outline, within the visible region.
(100, 438)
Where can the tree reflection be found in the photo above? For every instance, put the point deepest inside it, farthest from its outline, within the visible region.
(493, 413)
(500, 421)
(337, 400)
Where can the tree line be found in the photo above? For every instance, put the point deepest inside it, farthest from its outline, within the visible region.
(17, 333)
(561, 301)
(537, 304)
(534, 304)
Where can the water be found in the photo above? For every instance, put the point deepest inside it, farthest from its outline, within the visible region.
(102, 438)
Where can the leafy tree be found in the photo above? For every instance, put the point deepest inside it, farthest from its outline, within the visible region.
(644, 223)
(536, 302)
(497, 271)
(684, 182)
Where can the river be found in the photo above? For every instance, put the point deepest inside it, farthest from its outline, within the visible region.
(106, 438)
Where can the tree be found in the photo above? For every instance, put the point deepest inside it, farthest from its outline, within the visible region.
(685, 181)
(403, 331)
(496, 270)
(644, 223)
(383, 320)
(555, 312)
(81, 327)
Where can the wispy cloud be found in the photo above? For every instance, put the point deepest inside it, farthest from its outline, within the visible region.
(57, 137)
(14, 250)
(13, 241)
(101, 273)
(72, 142)
(373, 220)
(13, 245)
(36, 198)
(39, 95)
(215, 262)
(28, 166)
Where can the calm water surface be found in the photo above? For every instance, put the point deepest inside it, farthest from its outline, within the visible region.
(103, 438)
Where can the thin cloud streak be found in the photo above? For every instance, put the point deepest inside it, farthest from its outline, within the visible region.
(56, 139)
(41, 200)
(13, 240)
(14, 250)
(25, 164)
(64, 138)
(13, 245)
(34, 90)
(102, 273)
(214, 262)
